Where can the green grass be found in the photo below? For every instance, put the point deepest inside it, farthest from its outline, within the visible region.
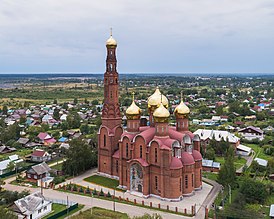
(103, 181)
(259, 151)
(72, 212)
(20, 153)
(55, 209)
(57, 166)
(210, 175)
(100, 213)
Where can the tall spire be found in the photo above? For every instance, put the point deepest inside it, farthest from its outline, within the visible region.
(111, 116)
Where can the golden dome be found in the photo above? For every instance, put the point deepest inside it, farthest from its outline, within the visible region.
(111, 41)
(133, 111)
(181, 110)
(156, 99)
(161, 114)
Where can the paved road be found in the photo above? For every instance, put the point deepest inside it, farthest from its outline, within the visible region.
(129, 209)
(210, 198)
(249, 160)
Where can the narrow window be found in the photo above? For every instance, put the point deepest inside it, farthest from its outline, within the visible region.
(141, 151)
(156, 182)
(186, 181)
(110, 94)
(156, 155)
(126, 149)
(117, 166)
(192, 180)
(105, 140)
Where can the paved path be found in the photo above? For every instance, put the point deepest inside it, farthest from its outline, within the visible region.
(209, 191)
(209, 199)
(91, 202)
(249, 160)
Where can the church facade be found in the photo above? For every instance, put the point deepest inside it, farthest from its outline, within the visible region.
(155, 160)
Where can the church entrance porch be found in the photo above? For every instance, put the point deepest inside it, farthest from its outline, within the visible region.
(136, 178)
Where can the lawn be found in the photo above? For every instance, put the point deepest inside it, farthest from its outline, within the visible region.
(57, 166)
(237, 162)
(55, 209)
(103, 181)
(210, 175)
(259, 151)
(100, 213)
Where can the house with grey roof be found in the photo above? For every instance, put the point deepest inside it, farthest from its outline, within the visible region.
(33, 206)
(38, 172)
(251, 133)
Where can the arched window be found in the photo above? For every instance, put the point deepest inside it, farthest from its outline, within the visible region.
(156, 182)
(141, 151)
(117, 166)
(186, 181)
(156, 155)
(105, 140)
(126, 149)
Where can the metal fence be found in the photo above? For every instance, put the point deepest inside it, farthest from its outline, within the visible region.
(64, 212)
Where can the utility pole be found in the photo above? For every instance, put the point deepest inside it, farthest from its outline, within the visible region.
(114, 200)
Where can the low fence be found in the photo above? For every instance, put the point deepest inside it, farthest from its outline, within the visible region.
(14, 171)
(62, 202)
(64, 212)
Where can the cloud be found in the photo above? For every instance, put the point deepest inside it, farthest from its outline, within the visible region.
(153, 36)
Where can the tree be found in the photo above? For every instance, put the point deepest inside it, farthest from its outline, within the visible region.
(75, 101)
(79, 149)
(95, 102)
(6, 213)
(10, 166)
(210, 153)
(56, 115)
(84, 128)
(55, 101)
(254, 191)
(2, 182)
(227, 174)
(74, 120)
(5, 110)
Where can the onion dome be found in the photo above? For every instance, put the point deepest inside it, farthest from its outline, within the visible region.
(161, 114)
(187, 158)
(133, 111)
(181, 111)
(176, 163)
(196, 155)
(156, 99)
(111, 42)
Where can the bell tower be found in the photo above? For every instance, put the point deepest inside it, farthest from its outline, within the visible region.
(111, 116)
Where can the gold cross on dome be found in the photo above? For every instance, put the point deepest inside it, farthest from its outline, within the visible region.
(111, 31)
(133, 95)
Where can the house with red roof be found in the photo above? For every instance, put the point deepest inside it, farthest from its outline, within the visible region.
(39, 155)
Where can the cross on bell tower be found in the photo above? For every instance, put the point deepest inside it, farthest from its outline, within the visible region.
(111, 116)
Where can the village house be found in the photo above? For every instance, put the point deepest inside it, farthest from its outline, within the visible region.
(210, 166)
(251, 133)
(40, 156)
(38, 172)
(33, 206)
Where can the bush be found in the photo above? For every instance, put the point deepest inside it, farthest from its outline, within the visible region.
(81, 189)
(101, 193)
(94, 192)
(87, 190)
(109, 195)
(74, 187)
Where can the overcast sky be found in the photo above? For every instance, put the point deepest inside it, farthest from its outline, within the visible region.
(153, 35)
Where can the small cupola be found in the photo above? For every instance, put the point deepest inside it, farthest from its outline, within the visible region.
(133, 114)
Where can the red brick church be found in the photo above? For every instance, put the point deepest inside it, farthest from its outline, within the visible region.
(156, 160)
